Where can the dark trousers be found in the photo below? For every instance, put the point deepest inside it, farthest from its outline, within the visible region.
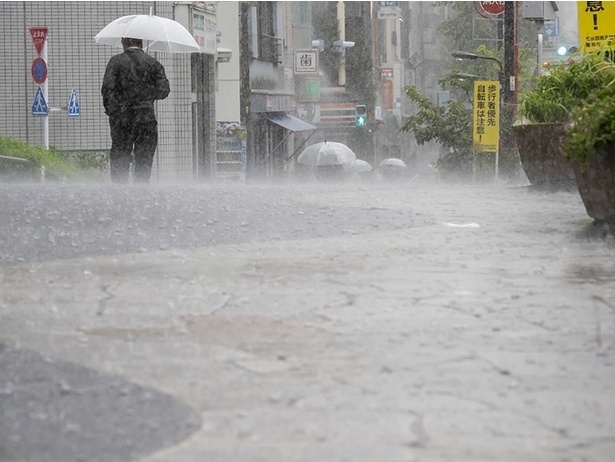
(135, 129)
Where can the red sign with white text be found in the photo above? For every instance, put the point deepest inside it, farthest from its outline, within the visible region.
(39, 35)
(493, 8)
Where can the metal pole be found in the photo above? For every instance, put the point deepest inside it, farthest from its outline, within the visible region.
(46, 96)
(539, 54)
(541, 29)
(508, 84)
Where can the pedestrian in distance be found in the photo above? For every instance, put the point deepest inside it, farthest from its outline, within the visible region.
(133, 81)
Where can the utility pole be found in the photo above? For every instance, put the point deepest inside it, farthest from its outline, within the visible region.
(509, 81)
(341, 33)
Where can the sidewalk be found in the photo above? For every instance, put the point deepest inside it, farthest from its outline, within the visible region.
(485, 333)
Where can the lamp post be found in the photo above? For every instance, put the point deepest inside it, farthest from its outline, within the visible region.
(461, 55)
(463, 76)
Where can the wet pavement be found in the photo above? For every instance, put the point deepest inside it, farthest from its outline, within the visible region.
(367, 322)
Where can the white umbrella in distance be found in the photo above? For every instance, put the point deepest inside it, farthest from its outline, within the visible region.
(393, 162)
(309, 154)
(326, 153)
(358, 166)
(157, 33)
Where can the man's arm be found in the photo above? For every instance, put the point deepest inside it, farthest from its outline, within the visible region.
(109, 89)
(163, 87)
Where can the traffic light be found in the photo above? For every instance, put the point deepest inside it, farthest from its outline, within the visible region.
(360, 113)
(566, 50)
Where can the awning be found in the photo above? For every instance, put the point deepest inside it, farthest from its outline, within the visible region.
(291, 122)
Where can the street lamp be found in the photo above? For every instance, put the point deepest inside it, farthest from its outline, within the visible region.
(463, 76)
(461, 55)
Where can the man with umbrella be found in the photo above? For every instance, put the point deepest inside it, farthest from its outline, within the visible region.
(133, 81)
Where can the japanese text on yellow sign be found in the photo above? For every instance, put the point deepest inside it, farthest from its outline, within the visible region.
(486, 115)
(596, 25)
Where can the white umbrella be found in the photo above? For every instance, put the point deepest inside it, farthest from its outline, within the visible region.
(357, 166)
(157, 33)
(393, 162)
(326, 153)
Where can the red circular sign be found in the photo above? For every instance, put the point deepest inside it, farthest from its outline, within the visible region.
(39, 70)
(494, 8)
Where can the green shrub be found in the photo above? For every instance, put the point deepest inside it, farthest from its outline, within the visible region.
(55, 162)
(563, 87)
(592, 124)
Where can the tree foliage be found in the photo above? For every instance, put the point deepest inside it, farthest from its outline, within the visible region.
(359, 75)
(461, 32)
(450, 125)
(359, 65)
(457, 32)
(324, 23)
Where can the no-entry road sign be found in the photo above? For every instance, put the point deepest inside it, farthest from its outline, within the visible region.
(39, 70)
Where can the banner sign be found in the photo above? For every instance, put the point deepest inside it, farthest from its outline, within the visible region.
(486, 127)
(596, 25)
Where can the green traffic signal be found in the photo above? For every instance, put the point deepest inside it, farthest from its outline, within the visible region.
(565, 50)
(360, 115)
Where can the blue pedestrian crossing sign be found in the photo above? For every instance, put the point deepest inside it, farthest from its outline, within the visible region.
(39, 108)
(73, 105)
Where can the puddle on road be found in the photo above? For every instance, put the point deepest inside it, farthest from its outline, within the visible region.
(214, 329)
(134, 334)
(592, 273)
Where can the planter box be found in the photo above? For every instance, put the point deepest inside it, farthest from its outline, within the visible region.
(596, 183)
(542, 158)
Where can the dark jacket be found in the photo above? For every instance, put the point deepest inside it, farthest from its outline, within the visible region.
(133, 80)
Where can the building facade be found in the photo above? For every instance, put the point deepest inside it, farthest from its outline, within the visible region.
(408, 52)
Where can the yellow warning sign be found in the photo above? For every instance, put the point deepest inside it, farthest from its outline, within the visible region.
(596, 25)
(486, 115)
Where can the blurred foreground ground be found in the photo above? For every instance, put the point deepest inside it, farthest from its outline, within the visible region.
(307, 323)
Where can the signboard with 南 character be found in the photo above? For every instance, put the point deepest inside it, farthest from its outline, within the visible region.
(486, 127)
(596, 25)
(306, 62)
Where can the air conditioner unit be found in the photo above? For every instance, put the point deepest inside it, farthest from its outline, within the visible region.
(224, 55)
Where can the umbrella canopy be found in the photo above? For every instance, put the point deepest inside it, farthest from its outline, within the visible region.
(393, 162)
(157, 33)
(357, 166)
(326, 153)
